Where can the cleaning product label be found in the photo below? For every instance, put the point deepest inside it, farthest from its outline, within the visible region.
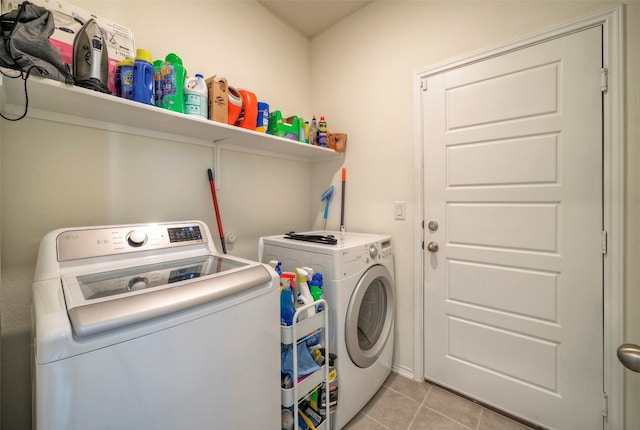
(196, 97)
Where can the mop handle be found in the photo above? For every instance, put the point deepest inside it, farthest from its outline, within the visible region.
(344, 181)
(215, 206)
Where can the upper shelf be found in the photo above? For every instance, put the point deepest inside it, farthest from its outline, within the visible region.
(55, 101)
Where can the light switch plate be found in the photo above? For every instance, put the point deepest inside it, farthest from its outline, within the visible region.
(399, 210)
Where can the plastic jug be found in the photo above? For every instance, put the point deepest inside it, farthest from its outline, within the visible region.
(173, 78)
(143, 88)
(157, 81)
(249, 114)
(262, 121)
(124, 78)
(196, 97)
(234, 106)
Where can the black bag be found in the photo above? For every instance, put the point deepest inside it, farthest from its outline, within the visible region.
(25, 43)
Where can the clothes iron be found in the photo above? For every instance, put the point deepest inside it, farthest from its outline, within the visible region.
(90, 58)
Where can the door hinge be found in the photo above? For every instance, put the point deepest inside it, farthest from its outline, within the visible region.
(604, 242)
(423, 85)
(605, 405)
(604, 80)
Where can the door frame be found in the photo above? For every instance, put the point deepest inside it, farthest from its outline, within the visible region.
(612, 21)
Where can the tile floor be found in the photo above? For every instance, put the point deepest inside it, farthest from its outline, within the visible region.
(404, 404)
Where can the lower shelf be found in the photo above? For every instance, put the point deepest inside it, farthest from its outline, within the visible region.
(304, 388)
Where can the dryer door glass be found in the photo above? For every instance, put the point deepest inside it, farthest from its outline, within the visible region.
(370, 316)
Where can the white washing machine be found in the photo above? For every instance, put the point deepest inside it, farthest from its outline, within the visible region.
(147, 327)
(359, 289)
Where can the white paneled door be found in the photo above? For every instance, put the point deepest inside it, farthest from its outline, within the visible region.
(513, 231)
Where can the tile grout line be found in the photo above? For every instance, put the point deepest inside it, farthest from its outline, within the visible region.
(480, 418)
(419, 406)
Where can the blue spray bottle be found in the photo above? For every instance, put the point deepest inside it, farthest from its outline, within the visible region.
(287, 307)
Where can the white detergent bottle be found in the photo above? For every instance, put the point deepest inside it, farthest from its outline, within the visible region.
(196, 95)
(304, 297)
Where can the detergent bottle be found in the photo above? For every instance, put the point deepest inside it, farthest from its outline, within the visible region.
(249, 115)
(157, 82)
(304, 297)
(287, 307)
(173, 78)
(196, 97)
(143, 88)
(124, 78)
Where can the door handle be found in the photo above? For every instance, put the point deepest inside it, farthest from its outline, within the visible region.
(629, 356)
(432, 246)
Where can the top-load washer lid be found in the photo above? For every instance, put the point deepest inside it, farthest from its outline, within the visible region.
(99, 302)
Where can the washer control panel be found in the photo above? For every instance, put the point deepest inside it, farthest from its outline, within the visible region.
(97, 242)
(380, 250)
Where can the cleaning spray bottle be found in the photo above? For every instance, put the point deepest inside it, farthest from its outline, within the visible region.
(304, 297)
(315, 287)
(277, 266)
(287, 307)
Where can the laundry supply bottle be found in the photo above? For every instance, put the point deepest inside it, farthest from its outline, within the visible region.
(249, 114)
(313, 132)
(124, 78)
(287, 307)
(143, 87)
(315, 287)
(157, 82)
(322, 132)
(196, 97)
(304, 296)
(277, 266)
(173, 77)
(262, 121)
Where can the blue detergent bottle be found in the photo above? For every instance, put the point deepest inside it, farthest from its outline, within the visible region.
(287, 307)
(143, 86)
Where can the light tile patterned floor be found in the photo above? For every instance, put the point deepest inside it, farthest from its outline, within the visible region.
(404, 404)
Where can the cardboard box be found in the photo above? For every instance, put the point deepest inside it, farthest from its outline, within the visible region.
(218, 99)
(69, 19)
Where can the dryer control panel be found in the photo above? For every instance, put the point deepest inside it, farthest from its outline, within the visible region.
(96, 242)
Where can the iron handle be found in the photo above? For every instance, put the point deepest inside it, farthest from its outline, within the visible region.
(629, 355)
(432, 246)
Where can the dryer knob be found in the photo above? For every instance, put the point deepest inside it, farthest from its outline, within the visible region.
(136, 238)
(373, 251)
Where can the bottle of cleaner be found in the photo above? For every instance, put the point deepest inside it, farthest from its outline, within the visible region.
(262, 121)
(277, 266)
(173, 77)
(304, 295)
(157, 82)
(124, 78)
(313, 132)
(196, 97)
(322, 132)
(287, 307)
(315, 287)
(143, 88)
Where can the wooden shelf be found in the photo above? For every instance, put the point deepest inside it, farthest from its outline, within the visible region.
(55, 101)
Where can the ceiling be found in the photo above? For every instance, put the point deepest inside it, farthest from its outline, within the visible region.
(312, 17)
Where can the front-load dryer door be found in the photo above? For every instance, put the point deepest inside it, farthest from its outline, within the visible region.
(369, 318)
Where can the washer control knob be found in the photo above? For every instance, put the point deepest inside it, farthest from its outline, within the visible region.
(136, 238)
(373, 251)
(137, 283)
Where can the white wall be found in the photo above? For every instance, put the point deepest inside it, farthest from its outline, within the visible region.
(362, 70)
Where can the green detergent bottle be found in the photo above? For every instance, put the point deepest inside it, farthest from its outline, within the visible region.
(173, 79)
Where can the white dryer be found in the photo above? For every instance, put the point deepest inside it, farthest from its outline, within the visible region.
(359, 289)
(147, 327)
